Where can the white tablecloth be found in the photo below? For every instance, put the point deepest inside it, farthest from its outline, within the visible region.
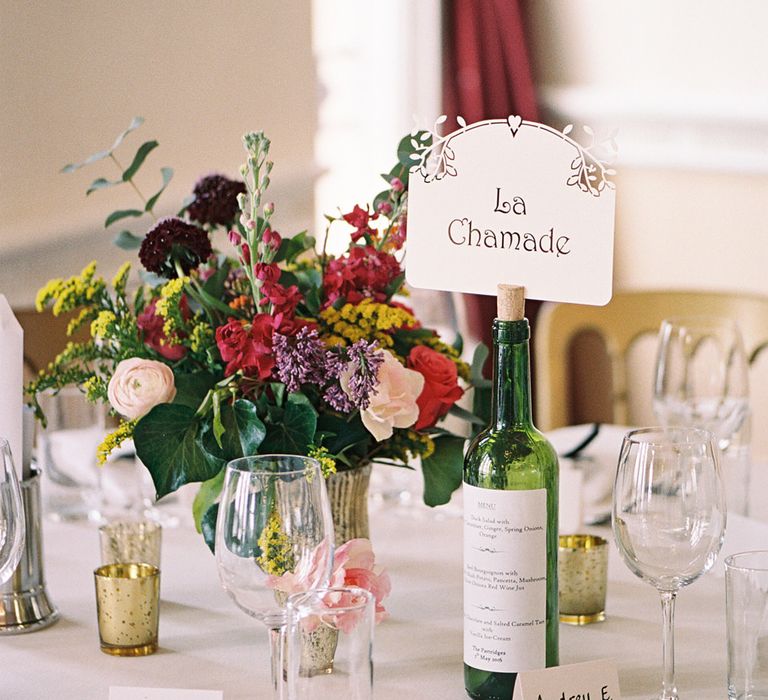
(207, 643)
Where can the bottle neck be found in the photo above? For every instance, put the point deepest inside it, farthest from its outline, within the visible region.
(511, 397)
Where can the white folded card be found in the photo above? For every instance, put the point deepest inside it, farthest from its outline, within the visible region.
(117, 692)
(591, 680)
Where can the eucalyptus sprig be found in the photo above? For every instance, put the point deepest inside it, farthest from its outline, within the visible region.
(126, 239)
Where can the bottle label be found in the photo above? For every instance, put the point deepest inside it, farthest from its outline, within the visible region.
(505, 579)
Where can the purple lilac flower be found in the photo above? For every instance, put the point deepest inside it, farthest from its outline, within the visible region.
(362, 372)
(300, 359)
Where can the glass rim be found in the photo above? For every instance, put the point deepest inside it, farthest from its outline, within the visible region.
(234, 465)
(664, 432)
(128, 571)
(148, 525)
(300, 601)
(730, 561)
(692, 320)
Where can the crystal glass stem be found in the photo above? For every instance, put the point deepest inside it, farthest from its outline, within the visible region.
(276, 647)
(669, 690)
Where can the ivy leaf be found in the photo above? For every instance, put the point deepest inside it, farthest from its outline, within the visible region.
(167, 174)
(191, 389)
(101, 183)
(339, 434)
(127, 240)
(136, 122)
(243, 430)
(208, 526)
(141, 155)
(169, 442)
(443, 470)
(295, 432)
(206, 497)
(122, 214)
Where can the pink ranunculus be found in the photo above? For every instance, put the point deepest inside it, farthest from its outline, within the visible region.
(393, 405)
(138, 385)
(353, 566)
(355, 561)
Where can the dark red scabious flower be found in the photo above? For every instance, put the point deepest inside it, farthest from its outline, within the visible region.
(363, 273)
(360, 218)
(173, 240)
(153, 334)
(247, 346)
(215, 200)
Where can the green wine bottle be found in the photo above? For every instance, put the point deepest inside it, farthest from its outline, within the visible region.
(510, 525)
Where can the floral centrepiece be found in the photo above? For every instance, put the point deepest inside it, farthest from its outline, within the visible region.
(269, 347)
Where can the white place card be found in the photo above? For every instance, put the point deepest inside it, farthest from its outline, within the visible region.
(591, 680)
(117, 692)
(514, 202)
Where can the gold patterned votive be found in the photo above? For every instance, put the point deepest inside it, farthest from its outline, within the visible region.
(128, 608)
(129, 541)
(582, 578)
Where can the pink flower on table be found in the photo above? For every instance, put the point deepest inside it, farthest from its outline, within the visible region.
(354, 565)
(393, 403)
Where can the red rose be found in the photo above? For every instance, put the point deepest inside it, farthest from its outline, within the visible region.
(247, 346)
(152, 333)
(441, 385)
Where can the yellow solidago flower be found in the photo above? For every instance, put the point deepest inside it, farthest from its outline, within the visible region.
(327, 463)
(100, 325)
(201, 337)
(276, 556)
(120, 280)
(368, 320)
(115, 439)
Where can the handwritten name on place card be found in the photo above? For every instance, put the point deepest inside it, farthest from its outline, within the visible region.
(591, 680)
(128, 693)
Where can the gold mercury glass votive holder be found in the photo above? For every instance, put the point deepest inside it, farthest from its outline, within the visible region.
(128, 608)
(582, 578)
(128, 541)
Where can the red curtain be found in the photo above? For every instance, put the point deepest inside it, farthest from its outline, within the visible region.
(487, 75)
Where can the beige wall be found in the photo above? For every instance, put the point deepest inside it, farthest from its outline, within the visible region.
(73, 74)
(686, 84)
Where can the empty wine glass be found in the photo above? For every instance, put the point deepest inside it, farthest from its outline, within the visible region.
(669, 516)
(274, 521)
(702, 382)
(11, 515)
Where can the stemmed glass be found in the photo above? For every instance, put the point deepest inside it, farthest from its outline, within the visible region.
(274, 521)
(702, 381)
(669, 516)
(12, 524)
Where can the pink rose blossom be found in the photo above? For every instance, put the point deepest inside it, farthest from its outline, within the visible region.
(393, 403)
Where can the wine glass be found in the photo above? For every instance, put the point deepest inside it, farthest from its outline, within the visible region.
(702, 381)
(274, 533)
(669, 516)
(12, 524)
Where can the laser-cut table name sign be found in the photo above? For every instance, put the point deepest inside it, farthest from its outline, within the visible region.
(516, 202)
